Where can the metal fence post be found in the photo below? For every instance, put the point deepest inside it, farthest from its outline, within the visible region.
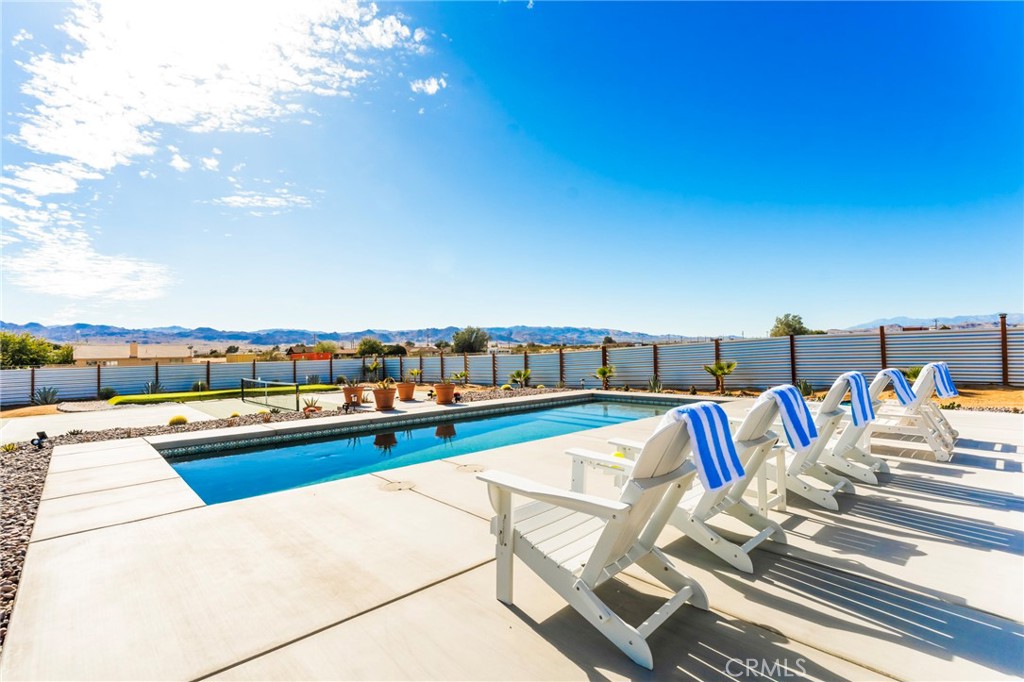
(881, 345)
(295, 371)
(494, 369)
(401, 368)
(209, 381)
(718, 350)
(31, 383)
(99, 380)
(156, 372)
(442, 365)
(330, 368)
(526, 360)
(1005, 348)
(561, 367)
(253, 370)
(792, 359)
(465, 366)
(604, 355)
(654, 360)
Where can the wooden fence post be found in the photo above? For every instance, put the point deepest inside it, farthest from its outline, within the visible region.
(1005, 348)
(654, 360)
(99, 380)
(718, 350)
(604, 355)
(31, 383)
(526, 360)
(295, 372)
(561, 367)
(330, 369)
(792, 359)
(465, 366)
(442, 365)
(881, 345)
(209, 386)
(254, 370)
(401, 368)
(494, 369)
(156, 372)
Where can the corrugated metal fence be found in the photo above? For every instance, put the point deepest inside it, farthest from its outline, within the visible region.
(975, 356)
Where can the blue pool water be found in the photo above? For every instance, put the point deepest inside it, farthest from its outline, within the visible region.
(236, 474)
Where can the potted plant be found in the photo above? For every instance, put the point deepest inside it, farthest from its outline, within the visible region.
(445, 432)
(311, 405)
(384, 394)
(445, 391)
(385, 442)
(414, 375)
(407, 388)
(352, 389)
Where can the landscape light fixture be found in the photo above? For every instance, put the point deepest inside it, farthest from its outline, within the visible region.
(38, 440)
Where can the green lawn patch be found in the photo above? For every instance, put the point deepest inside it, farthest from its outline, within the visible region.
(189, 396)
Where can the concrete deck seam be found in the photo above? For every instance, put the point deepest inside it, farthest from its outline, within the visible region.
(114, 525)
(100, 466)
(324, 628)
(103, 490)
(434, 499)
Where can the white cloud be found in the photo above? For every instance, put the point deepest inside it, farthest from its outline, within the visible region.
(428, 86)
(216, 151)
(179, 163)
(20, 36)
(127, 75)
(209, 163)
(277, 200)
(421, 110)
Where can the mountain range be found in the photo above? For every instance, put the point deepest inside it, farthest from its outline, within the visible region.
(98, 333)
(958, 321)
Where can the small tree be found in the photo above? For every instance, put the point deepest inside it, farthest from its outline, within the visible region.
(395, 349)
(470, 340)
(63, 355)
(231, 349)
(605, 374)
(789, 324)
(719, 371)
(442, 344)
(410, 344)
(369, 346)
(21, 350)
(325, 347)
(608, 340)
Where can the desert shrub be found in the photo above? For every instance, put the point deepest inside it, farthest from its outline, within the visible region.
(10, 447)
(234, 414)
(506, 387)
(177, 420)
(152, 387)
(200, 386)
(74, 432)
(47, 395)
(312, 378)
(654, 385)
(805, 387)
(952, 405)
(106, 393)
(540, 385)
(693, 390)
(911, 373)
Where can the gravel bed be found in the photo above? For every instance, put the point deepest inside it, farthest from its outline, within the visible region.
(86, 406)
(23, 472)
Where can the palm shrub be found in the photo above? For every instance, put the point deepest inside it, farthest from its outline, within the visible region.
(720, 370)
(46, 395)
(520, 376)
(605, 374)
(911, 373)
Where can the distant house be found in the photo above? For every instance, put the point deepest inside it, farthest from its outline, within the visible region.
(130, 354)
(301, 351)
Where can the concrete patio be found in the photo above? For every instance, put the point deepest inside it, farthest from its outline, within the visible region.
(391, 576)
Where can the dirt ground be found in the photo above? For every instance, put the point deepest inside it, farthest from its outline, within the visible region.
(30, 411)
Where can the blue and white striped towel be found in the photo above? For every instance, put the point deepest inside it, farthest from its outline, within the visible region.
(860, 401)
(943, 380)
(713, 449)
(904, 392)
(796, 417)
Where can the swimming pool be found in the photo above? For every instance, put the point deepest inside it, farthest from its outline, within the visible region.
(226, 475)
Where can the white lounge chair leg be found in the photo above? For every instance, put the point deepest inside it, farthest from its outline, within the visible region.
(712, 541)
(660, 567)
(835, 481)
(618, 632)
(849, 468)
(822, 498)
(501, 527)
(746, 513)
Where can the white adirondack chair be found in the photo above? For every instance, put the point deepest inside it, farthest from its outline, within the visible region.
(698, 506)
(843, 453)
(919, 417)
(804, 474)
(575, 542)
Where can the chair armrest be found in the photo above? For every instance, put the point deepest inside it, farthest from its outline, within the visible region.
(588, 504)
(627, 443)
(621, 464)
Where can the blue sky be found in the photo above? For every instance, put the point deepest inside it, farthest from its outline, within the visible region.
(683, 168)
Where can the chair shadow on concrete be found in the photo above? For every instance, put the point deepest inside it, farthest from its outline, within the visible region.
(846, 602)
(955, 493)
(693, 644)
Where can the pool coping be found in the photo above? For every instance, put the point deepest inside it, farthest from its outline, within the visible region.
(175, 445)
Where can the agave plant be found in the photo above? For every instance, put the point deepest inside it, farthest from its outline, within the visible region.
(46, 395)
(371, 370)
(198, 386)
(805, 387)
(654, 385)
(911, 373)
(719, 371)
(312, 379)
(462, 377)
(605, 374)
(520, 376)
(152, 387)
(414, 375)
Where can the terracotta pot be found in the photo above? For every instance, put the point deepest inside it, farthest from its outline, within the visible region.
(445, 393)
(353, 394)
(312, 408)
(406, 390)
(384, 397)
